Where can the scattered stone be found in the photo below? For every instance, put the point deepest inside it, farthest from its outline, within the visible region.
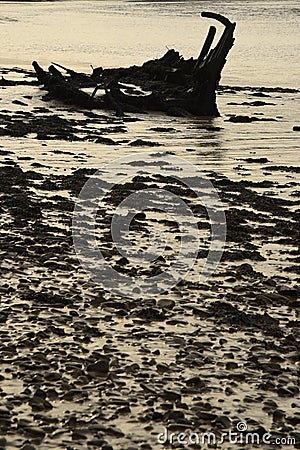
(105, 140)
(19, 102)
(99, 369)
(163, 129)
(248, 119)
(143, 143)
(256, 160)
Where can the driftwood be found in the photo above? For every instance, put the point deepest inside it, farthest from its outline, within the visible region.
(170, 84)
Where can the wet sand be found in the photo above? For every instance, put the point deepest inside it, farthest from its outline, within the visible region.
(83, 368)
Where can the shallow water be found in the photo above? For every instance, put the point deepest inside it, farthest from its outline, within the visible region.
(115, 33)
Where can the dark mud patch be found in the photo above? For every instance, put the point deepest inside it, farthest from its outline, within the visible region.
(248, 119)
(294, 169)
(53, 126)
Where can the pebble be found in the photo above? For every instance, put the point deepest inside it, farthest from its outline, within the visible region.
(98, 368)
(224, 421)
(34, 432)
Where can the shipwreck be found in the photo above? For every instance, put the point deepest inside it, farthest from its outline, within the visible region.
(171, 84)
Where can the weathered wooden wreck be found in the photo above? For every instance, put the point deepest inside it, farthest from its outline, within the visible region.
(170, 84)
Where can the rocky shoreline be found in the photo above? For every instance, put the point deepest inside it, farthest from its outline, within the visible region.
(82, 368)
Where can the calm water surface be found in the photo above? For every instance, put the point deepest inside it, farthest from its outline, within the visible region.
(114, 33)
